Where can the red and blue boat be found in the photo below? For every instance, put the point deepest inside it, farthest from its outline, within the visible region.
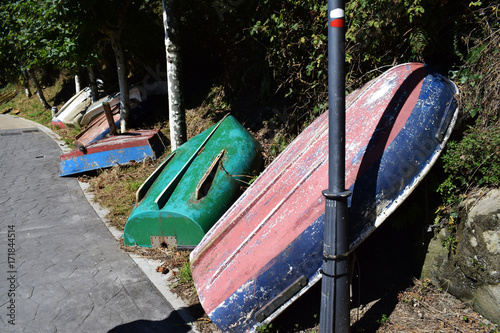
(267, 249)
(113, 150)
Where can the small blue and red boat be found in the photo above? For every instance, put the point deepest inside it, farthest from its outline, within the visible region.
(267, 249)
(113, 150)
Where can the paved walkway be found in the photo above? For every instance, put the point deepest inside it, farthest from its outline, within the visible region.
(61, 270)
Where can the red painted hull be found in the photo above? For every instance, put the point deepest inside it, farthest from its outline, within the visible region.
(122, 148)
(58, 124)
(251, 255)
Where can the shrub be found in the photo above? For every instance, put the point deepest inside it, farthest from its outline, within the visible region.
(475, 159)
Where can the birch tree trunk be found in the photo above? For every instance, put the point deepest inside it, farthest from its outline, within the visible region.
(39, 90)
(77, 84)
(122, 79)
(176, 111)
(94, 92)
(26, 83)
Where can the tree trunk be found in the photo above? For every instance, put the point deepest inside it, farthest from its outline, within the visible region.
(26, 83)
(122, 79)
(77, 84)
(39, 90)
(94, 92)
(176, 111)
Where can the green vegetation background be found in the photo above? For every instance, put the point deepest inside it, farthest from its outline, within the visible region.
(266, 61)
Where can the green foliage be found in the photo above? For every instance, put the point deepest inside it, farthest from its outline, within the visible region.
(68, 34)
(294, 37)
(450, 243)
(185, 273)
(450, 222)
(134, 185)
(217, 99)
(293, 33)
(28, 43)
(280, 142)
(266, 328)
(379, 33)
(474, 160)
(477, 265)
(383, 32)
(383, 320)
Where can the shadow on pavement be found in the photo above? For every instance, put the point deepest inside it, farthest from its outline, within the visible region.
(172, 324)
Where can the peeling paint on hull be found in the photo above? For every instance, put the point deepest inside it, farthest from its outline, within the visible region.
(396, 125)
(120, 149)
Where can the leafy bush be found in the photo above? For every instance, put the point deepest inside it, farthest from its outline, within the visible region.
(380, 33)
(293, 33)
(475, 159)
(479, 153)
(185, 275)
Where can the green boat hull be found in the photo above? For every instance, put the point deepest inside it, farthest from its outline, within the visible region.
(193, 187)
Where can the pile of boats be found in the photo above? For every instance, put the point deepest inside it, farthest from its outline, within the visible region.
(80, 111)
(257, 251)
(96, 147)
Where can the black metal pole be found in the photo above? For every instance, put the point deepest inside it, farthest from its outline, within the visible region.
(334, 314)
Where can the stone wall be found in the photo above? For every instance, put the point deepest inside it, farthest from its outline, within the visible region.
(471, 271)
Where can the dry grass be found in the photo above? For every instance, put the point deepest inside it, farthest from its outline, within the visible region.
(115, 188)
(425, 308)
(31, 108)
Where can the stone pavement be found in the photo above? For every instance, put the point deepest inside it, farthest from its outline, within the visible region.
(61, 270)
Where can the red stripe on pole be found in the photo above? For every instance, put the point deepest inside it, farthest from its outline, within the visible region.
(337, 23)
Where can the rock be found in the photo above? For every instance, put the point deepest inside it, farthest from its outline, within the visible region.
(472, 271)
(478, 251)
(487, 302)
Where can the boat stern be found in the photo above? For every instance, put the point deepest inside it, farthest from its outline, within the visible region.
(162, 229)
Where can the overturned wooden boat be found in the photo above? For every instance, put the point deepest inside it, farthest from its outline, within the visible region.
(193, 187)
(266, 250)
(75, 106)
(135, 94)
(98, 129)
(117, 149)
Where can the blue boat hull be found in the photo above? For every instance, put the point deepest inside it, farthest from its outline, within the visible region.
(121, 149)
